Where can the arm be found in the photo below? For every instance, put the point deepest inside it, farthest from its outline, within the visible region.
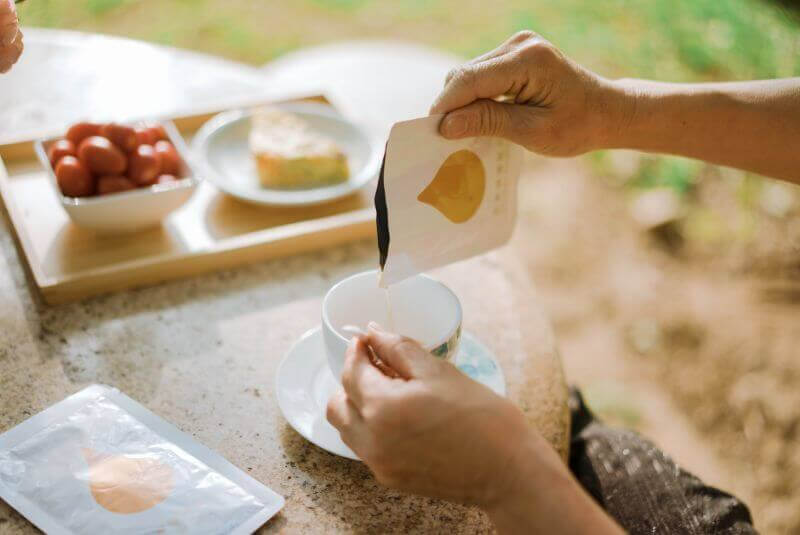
(553, 106)
(547, 499)
(431, 430)
(750, 125)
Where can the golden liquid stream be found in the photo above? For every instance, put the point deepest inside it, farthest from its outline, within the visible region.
(124, 484)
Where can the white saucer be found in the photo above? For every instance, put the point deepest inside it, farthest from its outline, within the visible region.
(304, 384)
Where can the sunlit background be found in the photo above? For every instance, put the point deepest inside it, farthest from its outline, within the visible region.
(673, 286)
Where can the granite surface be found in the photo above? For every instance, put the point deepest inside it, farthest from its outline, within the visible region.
(202, 353)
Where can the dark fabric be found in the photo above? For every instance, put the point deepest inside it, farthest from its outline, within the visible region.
(641, 487)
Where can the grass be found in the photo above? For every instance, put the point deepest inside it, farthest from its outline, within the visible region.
(668, 39)
(677, 40)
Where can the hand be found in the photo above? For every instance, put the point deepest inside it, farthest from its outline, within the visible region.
(431, 430)
(10, 35)
(552, 105)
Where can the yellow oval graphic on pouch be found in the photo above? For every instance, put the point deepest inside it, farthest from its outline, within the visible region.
(124, 484)
(458, 187)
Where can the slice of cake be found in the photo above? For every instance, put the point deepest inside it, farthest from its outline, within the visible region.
(290, 154)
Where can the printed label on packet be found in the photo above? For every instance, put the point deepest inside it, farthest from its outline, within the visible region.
(99, 462)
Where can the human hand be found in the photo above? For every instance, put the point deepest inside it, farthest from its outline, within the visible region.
(428, 429)
(551, 105)
(431, 430)
(10, 35)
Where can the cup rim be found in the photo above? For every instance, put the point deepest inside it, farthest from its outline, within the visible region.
(439, 341)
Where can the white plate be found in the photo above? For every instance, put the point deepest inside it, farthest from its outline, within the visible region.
(223, 155)
(304, 384)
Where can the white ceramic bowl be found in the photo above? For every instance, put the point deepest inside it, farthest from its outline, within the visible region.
(127, 211)
(422, 308)
(223, 153)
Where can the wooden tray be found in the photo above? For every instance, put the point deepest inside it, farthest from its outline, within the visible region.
(212, 231)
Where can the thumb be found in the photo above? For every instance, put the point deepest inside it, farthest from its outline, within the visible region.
(404, 355)
(490, 118)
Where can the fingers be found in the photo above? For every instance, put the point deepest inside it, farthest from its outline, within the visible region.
(359, 374)
(402, 354)
(344, 416)
(509, 45)
(470, 82)
(9, 24)
(487, 76)
(10, 54)
(489, 118)
(10, 36)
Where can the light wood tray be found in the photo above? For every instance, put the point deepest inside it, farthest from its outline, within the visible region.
(212, 231)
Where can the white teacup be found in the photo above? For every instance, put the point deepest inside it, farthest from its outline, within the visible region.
(422, 308)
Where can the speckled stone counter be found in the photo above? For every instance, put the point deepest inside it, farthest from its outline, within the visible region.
(202, 353)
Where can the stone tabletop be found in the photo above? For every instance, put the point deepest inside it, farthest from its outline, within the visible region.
(202, 353)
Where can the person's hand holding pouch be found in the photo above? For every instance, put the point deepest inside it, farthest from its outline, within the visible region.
(10, 35)
(551, 104)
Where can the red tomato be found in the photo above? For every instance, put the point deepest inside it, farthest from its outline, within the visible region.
(59, 149)
(80, 131)
(170, 159)
(157, 131)
(113, 184)
(120, 135)
(101, 156)
(144, 165)
(73, 177)
(144, 136)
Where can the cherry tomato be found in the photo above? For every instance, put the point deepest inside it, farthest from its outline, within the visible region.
(80, 131)
(120, 135)
(170, 159)
(145, 136)
(101, 156)
(157, 131)
(74, 178)
(113, 184)
(144, 165)
(166, 179)
(59, 149)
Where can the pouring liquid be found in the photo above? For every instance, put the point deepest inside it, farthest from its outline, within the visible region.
(389, 313)
(353, 330)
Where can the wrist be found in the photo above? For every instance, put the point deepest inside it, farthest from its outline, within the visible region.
(619, 106)
(528, 468)
(537, 474)
(541, 496)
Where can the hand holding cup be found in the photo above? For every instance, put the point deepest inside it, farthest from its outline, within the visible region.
(431, 430)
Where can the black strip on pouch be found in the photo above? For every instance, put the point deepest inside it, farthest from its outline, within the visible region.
(382, 217)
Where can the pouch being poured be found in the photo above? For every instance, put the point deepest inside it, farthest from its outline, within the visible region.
(439, 201)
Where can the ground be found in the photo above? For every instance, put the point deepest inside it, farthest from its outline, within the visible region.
(687, 331)
(694, 345)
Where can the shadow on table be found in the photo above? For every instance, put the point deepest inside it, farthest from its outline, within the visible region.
(354, 501)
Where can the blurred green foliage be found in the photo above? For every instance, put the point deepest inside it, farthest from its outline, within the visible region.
(98, 7)
(677, 174)
(676, 40)
(665, 39)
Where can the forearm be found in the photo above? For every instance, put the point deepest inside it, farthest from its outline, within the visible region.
(753, 126)
(547, 499)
